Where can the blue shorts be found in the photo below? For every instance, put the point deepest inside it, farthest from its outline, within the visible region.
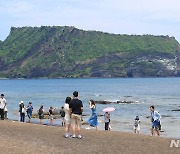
(156, 124)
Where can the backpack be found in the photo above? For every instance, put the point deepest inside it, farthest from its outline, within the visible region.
(23, 110)
(40, 111)
(62, 113)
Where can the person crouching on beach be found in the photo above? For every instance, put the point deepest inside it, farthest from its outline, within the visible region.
(107, 120)
(137, 125)
(67, 117)
(51, 115)
(155, 119)
(29, 111)
(41, 114)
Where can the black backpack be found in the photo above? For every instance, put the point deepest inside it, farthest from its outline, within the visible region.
(40, 112)
(62, 113)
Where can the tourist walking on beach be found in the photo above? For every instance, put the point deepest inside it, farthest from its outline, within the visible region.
(2, 106)
(51, 115)
(67, 117)
(137, 125)
(22, 111)
(155, 119)
(62, 113)
(92, 121)
(41, 114)
(29, 111)
(107, 120)
(76, 109)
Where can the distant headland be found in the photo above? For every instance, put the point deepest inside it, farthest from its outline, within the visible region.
(68, 52)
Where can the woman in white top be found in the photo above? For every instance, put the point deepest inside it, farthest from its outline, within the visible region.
(67, 117)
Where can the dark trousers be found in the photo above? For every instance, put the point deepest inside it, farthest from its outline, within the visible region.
(5, 115)
(106, 125)
(2, 114)
(22, 117)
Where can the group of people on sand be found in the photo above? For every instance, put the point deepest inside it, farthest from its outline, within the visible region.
(71, 114)
(23, 110)
(155, 119)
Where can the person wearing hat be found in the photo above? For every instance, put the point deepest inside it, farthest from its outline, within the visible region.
(29, 111)
(137, 125)
(22, 111)
(2, 106)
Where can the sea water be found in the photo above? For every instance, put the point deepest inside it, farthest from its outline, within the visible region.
(163, 93)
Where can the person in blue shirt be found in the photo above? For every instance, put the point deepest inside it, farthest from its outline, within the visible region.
(29, 110)
(155, 119)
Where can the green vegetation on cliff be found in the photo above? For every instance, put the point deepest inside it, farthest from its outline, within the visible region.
(69, 52)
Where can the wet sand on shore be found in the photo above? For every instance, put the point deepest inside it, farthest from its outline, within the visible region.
(16, 137)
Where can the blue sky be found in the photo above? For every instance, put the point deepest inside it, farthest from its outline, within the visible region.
(157, 17)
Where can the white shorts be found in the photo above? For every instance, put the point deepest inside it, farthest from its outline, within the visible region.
(67, 120)
(51, 117)
(137, 128)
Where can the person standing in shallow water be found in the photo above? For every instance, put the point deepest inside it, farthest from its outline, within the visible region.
(137, 125)
(29, 111)
(67, 117)
(51, 115)
(2, 106)
(22, 111)
(41, 114)
(92, 121)
(76, 109)
(155, 119)
(62, 113)
(107, 120)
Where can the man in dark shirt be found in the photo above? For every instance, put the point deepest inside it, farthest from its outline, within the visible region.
(76, 109)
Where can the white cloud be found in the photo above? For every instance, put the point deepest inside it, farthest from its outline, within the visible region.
(115, 16)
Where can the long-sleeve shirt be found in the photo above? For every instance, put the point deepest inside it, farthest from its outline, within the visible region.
(155, 116)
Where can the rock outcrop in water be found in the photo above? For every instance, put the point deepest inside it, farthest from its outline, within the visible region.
(117, 102)
(176, 110)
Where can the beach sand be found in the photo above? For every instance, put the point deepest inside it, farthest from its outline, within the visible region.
(16, 137)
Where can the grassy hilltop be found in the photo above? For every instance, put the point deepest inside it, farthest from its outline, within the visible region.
(54, 52)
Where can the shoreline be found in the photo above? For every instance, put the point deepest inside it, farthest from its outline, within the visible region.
(82, 128)
(20, 137)
(57, 123)
(46, 78)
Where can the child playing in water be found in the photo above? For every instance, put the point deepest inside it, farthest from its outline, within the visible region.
(137, 125)
(51, 115)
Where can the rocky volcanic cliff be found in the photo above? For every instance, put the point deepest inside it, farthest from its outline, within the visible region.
(55, 52)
